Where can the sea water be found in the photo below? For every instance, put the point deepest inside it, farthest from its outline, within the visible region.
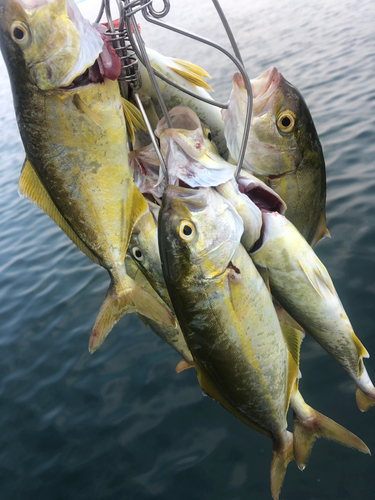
(121, 424)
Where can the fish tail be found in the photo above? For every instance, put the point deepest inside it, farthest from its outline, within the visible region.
(364, 401)
(310, 425)
(282, 454)
(183, 365)
(127, 299)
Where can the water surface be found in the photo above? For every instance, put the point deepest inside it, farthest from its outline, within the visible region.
(122, 424)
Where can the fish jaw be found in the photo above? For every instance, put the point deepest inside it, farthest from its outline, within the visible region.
(207, 207)
(248, 211)
(189, 155)
(58, 45)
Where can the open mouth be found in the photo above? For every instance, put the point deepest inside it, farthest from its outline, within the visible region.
(107, 65)
(264, 82)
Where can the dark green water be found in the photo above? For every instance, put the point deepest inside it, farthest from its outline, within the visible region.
(122, 424)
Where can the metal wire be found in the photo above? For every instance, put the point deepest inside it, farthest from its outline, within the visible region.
(130, 46)
(234, 59)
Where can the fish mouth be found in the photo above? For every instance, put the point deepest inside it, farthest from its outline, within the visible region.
(85, 55)
(107, 65)
(264, 88)
(262, 83)
(182, 118)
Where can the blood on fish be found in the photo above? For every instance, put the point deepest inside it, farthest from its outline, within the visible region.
(232, 266)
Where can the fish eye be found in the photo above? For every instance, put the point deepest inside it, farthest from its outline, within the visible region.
(207, 132)
(19, 33)
(137, 252)
(286, 121)
(187, 230)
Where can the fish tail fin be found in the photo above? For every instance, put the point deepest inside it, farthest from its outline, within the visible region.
(183, 365)
(364, 401)
(281, 456)
(309, 425)
(127, 299)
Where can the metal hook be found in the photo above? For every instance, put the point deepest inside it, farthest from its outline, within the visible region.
(162, 13)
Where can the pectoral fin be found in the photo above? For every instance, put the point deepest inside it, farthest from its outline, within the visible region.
(85, 109)
(30, 186)
(133, 118)
(139, 208)
(318, 276)
(263, 271)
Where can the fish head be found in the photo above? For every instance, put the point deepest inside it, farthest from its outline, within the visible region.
(282, 131)
(188, 150)
(143, 246)
(47, 41)
(199, 231)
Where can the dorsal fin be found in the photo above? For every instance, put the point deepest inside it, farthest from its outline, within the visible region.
(30, 186)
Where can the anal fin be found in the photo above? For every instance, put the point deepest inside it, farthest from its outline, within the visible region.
(30, 186)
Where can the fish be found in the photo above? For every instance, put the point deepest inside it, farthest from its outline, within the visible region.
(302, 286)
(192, 78)
(283, 148)
(249, 195)
(146, 167)
(144, 250)
(189, 152)
(70, 116)
(172, 336)
(243, 358)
